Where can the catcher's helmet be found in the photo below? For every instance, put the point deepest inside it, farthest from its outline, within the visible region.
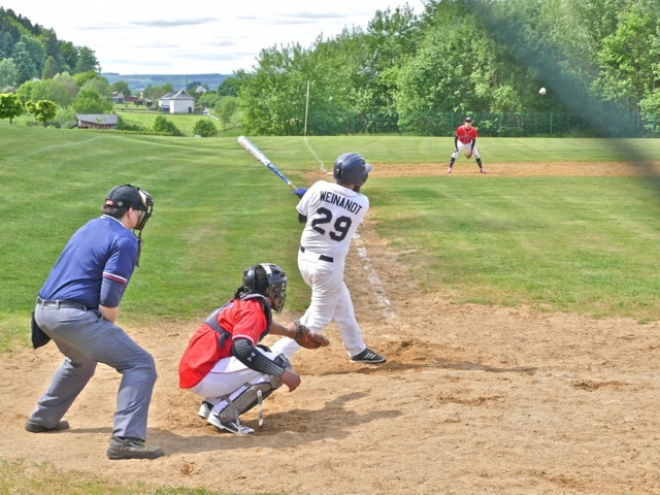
(350, 168)
(266, 279)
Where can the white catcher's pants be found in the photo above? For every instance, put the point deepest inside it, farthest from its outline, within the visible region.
(331, 300)
(227, 376)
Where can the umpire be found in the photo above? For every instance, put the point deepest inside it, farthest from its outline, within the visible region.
(77, 308)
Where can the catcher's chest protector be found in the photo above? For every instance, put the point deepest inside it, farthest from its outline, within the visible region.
(212, 319)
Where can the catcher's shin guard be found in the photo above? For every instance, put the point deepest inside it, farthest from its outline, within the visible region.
(251, 394)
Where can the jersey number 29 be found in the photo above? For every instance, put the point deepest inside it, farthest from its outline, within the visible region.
(340, 227)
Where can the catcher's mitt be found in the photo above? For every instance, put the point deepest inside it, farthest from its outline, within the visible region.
(307, 339)
(468, 154)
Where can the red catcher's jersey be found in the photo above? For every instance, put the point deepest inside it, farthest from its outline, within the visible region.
(241, 318)
(466, 135)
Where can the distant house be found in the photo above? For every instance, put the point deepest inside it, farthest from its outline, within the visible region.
(98, 121)
(117, 97)
(177, 102)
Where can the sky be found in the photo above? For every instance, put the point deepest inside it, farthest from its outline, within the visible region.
(200, 37)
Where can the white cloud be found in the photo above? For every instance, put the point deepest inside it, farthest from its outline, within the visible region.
(131, 37)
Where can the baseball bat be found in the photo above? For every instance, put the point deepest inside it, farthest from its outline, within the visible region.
(256, 152)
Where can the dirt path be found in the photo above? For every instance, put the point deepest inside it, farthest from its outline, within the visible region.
(473, 400)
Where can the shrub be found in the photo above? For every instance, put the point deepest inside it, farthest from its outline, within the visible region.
(204, 127)
(161, 124)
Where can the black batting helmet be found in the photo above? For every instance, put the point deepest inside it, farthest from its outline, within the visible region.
(350, 168)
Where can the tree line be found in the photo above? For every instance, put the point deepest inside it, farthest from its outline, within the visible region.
(410, 73)
(29, 51)
(418, 74)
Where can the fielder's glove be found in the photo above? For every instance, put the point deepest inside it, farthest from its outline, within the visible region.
(307, 339)
(300, 192)
(468, 154)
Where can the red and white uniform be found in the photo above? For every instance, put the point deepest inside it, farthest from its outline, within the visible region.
(464, 140)
(208, 368)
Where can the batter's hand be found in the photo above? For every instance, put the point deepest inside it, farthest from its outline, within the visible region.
(300, 192)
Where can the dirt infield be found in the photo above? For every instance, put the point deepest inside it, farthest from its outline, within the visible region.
(473, 400)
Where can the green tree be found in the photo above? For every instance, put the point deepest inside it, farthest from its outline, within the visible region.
(24, 91)
(7, 73)
(37, 51)
(204, 128)
(121, 87)
(89, 101)
(69, 83)
(231, 86)
(629, 55)
(23, 60)
(51, 68)
(42, 110)
(82, 77)
(53, 90)
(226, 109)
(100, 85)
(87, 61)
(10, 106)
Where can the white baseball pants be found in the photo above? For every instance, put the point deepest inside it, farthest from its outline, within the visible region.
(331, 300)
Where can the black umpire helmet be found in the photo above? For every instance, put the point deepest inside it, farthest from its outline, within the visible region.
(350, 168)
(127, 196)
(266, 279)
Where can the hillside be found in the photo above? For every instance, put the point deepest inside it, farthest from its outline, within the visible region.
(137, 82)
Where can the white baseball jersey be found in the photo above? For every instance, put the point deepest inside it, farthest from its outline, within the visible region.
(333, 215)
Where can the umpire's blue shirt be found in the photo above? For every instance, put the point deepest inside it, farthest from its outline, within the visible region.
(95, 266)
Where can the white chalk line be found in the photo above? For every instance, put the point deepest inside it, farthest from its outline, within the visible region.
(374, 281)
(48, 148)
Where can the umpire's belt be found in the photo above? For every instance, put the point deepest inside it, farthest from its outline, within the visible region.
(322, 257)
(61, 303)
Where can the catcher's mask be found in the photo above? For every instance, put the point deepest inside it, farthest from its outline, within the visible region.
(266, 279)
(127, 196)
(350, 168)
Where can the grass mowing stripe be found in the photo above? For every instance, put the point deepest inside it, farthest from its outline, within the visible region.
(577, 244)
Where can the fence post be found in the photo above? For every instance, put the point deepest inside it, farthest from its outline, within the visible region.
(550, 123)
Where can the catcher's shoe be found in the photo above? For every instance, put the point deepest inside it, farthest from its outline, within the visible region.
(369, 357)
(232, 426)
(205, 410)
(132, 448)
(37, 428)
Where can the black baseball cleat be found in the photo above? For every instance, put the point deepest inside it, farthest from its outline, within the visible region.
(369, 357)
(132, 448)
(37, 428)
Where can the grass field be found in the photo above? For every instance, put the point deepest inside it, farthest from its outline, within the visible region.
(577, 244)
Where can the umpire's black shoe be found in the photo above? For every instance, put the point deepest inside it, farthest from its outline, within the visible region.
(132, 448)
(37, 428)
(369, 357)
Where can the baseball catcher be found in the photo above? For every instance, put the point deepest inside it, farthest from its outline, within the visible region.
(224, 362)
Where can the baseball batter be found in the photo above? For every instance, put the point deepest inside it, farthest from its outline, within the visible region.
(332, 214)
(465, 138)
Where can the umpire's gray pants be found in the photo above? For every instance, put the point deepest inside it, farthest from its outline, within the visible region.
(86, 339)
